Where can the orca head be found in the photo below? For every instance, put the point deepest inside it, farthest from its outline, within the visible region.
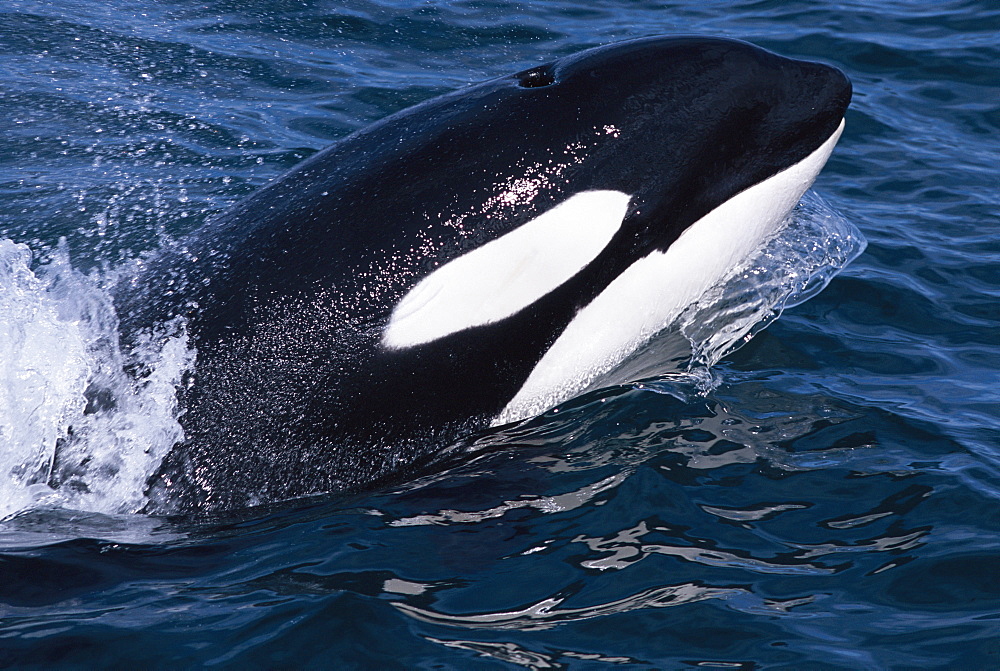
(477, 258)
(673, 159)
(694, 120)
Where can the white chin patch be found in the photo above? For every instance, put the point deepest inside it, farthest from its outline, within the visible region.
(506, 275)
(654, 290)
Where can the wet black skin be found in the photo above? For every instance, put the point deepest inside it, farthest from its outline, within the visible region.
(287, 293)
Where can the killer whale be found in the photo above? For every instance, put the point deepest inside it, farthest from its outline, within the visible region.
(472, 260)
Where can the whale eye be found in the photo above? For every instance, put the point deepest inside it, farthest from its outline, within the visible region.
(536, 77)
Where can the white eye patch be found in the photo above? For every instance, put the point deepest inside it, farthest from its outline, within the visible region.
(506, 275)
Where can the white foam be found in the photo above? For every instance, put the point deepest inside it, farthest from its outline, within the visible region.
(58, 342)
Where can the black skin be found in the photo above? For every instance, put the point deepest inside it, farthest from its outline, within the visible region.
(293, 393)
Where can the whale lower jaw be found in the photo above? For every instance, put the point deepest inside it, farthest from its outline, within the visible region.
(656, 289)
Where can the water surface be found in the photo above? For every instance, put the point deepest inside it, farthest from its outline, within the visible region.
(830, 503)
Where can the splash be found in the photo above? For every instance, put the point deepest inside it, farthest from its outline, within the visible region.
(814, 243)
(79, 428)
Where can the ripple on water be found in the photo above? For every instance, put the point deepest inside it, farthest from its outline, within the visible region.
(827, 495)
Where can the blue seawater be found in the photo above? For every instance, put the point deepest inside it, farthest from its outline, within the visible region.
(828, 501)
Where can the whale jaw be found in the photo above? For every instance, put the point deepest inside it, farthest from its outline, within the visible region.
(656, 289)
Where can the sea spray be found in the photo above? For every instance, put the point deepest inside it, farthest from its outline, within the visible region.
(814, 243)
(82, 424)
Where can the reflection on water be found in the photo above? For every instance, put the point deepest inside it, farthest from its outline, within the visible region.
(826, 496)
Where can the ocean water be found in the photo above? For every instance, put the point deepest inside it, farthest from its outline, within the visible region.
(824, 497)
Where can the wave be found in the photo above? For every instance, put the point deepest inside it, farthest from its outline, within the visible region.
(83, 423)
